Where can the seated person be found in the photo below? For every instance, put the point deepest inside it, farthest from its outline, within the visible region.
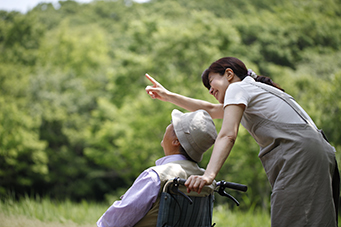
(184, 143)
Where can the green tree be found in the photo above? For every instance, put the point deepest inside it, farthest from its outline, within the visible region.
(20, 38)
(72, 84)
(22, 157)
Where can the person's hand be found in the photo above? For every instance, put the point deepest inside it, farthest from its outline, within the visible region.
(196, 183)
(157, 91)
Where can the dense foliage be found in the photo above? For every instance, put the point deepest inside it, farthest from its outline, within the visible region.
(75, 121)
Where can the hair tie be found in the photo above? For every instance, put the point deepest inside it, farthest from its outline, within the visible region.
(251, 73)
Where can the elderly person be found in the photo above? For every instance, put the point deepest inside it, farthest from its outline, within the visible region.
(184, 143)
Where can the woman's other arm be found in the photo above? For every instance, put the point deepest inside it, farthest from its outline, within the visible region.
(222, 148)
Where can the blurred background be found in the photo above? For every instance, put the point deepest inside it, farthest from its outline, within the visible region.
(75, 120)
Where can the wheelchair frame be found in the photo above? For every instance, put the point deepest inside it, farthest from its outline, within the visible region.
(179, 209)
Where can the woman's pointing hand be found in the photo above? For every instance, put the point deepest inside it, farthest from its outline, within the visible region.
(157, 91)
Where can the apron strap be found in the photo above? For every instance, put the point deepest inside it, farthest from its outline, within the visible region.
(286, 98)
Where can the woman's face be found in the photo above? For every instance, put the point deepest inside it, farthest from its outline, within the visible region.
(219, 85)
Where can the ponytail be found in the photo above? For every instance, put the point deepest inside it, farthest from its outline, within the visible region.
(263, 79)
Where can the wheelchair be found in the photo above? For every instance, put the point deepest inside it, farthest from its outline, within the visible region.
(180, 209)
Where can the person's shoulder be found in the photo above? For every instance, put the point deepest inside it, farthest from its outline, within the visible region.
(239, 84)
(243, 86)
(173, 163)
(238, 87)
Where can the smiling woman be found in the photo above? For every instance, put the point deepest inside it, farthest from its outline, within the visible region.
(294, 153)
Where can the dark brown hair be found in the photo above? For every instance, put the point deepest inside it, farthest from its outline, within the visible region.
(238, 68)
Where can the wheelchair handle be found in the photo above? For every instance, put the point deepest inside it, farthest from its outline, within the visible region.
(231, 185)
(224, 184)
(179, 181)
(220, 188)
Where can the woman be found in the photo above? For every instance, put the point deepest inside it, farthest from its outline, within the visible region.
(299, 163)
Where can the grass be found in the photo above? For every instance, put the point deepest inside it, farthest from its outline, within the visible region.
(28, 212)
(45, 212)
(223, 216)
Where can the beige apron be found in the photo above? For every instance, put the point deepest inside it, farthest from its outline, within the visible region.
(300, 166)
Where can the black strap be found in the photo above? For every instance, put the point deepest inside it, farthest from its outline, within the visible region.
(336, 189)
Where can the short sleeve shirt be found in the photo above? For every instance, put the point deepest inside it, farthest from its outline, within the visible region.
(261, 103)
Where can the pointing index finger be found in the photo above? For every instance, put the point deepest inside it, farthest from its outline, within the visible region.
(151, 79)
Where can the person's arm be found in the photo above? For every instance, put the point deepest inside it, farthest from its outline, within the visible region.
(135, 203)
(222, 148)
(157, 91)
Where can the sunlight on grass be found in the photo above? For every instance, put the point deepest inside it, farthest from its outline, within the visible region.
(46, 212)
(28, 212)
(23, 221)
(223, 216)
(49, 211)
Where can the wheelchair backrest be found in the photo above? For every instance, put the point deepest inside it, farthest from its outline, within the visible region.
(177, 209)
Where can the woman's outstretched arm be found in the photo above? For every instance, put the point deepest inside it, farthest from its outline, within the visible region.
(157, 91)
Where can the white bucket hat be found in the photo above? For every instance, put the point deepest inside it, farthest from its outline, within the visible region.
(196, 132)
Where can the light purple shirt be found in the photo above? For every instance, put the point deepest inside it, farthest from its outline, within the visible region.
(138, 200)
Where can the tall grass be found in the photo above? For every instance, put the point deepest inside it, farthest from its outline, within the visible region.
(38, 212)
(28, 212)
(223, 216)
(45, 212)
